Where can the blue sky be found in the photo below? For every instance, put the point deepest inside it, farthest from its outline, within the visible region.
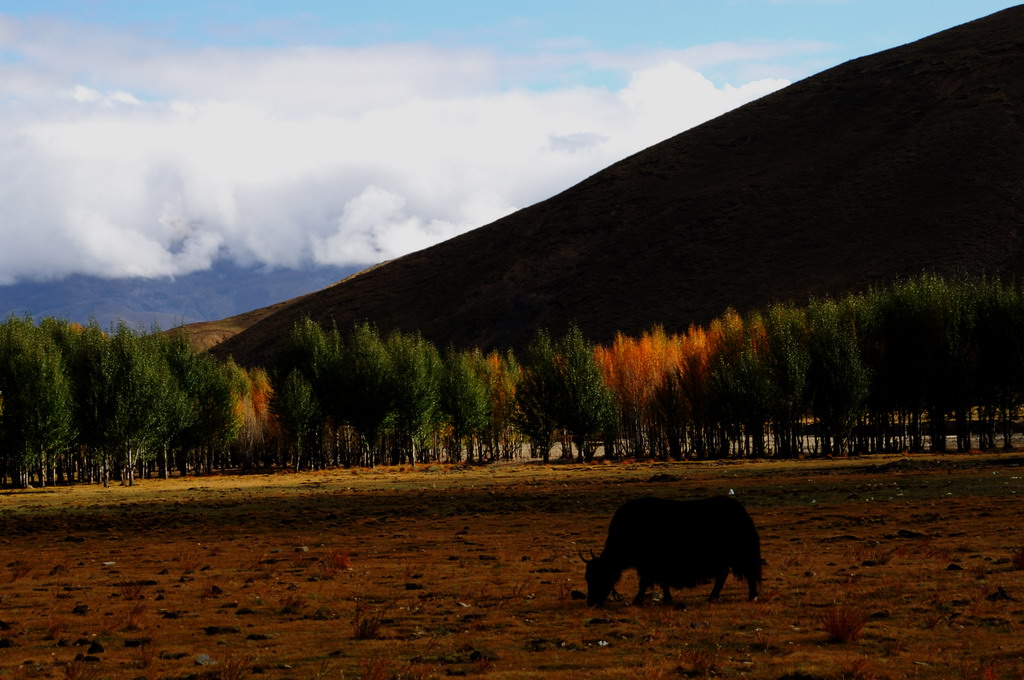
(857, 26)
(151, 138)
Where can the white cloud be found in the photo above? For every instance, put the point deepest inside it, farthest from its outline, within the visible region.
(122, 158)
(576, 142)
(375, 226)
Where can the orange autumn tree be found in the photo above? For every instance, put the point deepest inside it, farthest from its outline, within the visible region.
(633, 368)
(682, 406)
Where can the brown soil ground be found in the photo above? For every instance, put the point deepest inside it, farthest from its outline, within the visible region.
(447, 571)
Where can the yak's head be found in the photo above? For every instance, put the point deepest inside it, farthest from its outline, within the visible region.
(601, 578)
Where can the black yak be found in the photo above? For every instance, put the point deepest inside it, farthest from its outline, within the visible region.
(677, 544)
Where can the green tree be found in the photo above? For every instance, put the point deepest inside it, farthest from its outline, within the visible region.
(928, 329)
(89, 370)
(740, 383)
(315, 354)
(415, 372)
(537, 395)
(838, 379)
(464, 399)
(180, 431)
(586, 406)
(37, 421)
(902, 359)
(312, 351)
(959, 347)
(364, 387)
(1000, 357)
(787, 361)
(136, 381)
(298, 411)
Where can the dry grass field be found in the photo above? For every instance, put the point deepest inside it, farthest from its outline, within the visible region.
(443, 571)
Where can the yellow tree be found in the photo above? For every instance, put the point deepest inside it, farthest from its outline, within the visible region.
(259, 426)
(502, 375)
(697, 351)
(633, 368)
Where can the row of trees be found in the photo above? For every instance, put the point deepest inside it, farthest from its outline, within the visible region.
(925, 364)
(362, 399)
(914, 366)
(81, 404)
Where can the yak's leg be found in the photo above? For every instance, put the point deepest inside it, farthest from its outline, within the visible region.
(666, 594)
(751, 589)
(719, 582)
(644, 584)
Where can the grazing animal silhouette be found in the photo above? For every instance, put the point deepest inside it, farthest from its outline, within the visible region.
(677, 544)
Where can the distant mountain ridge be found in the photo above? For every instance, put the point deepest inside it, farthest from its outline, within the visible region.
(904, 161)
(223, 291)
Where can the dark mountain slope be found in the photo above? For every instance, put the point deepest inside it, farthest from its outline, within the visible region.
(907, 160)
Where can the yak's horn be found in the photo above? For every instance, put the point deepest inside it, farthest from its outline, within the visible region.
(584, 557)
